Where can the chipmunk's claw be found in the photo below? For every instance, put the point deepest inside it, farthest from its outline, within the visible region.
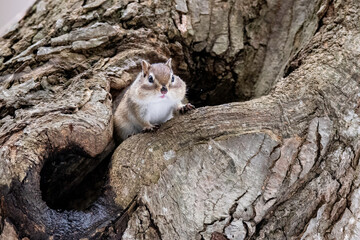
(186, 108)
(151, 128)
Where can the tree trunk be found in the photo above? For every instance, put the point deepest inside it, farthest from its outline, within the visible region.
(272, 152)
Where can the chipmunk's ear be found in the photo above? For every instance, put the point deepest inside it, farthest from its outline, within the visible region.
(145, 67)
(168, 63)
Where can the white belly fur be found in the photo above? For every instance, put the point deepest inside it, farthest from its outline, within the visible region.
(160, 112)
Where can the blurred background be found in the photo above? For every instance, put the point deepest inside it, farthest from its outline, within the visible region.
(11, 11)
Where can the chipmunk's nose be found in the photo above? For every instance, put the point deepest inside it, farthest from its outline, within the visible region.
(163, 90)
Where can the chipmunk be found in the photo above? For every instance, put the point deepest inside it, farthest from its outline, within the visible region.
(150, 100)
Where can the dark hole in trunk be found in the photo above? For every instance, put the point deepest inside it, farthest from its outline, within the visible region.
(72, 180)
(210, 90)
(212, 81)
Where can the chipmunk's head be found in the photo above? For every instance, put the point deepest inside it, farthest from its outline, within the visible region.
(159, 83)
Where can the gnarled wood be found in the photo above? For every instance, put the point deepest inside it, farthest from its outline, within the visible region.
(280, 166)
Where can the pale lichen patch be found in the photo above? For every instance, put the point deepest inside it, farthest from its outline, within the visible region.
(169, 155)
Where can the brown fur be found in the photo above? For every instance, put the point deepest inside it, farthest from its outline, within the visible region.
(162, 73)
(130, 116)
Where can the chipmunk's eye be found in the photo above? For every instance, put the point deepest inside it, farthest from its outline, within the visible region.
(172, 78)
(151, 79)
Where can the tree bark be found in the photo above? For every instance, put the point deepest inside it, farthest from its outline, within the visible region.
(282, 165)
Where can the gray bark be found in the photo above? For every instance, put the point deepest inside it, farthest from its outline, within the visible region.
(282, 165)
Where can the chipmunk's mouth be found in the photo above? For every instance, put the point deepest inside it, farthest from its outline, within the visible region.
(162, 96)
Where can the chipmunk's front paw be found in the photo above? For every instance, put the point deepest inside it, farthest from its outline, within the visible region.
(152, 128)
(186, 108)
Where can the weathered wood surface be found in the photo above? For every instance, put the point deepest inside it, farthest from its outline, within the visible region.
(283, 165)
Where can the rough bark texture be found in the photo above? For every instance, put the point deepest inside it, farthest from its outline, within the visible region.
(283, 165)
